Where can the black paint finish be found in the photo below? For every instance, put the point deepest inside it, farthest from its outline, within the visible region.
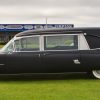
(54, 61)
(50, 61)
(59, 61)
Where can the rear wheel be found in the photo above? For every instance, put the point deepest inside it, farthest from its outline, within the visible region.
(96, 73)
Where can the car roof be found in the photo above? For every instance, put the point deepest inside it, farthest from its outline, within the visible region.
(77, 30)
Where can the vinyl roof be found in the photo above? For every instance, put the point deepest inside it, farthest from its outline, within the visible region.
(60, 31)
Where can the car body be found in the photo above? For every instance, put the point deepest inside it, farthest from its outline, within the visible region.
(52, 51)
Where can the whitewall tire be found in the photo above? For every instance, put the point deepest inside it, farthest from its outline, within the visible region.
(96, 73)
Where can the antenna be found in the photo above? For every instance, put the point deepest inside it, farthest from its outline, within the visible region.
(46, 22)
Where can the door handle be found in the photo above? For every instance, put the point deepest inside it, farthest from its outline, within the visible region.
(76, 61)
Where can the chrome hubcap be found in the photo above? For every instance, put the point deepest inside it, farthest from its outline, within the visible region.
(96, 73)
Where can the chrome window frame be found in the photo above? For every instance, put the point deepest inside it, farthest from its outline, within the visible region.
(80, 36)
(17, 38)
(61, 35)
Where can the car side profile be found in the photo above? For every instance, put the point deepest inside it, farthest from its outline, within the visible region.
(52, 51)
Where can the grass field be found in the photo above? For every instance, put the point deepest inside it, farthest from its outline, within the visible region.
(69, 87)
(1, 45)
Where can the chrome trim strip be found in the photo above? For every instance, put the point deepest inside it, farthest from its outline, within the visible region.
(48, 50)
(2, 64)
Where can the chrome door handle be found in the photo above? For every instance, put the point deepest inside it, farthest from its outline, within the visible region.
(76, 61)
(2, 64)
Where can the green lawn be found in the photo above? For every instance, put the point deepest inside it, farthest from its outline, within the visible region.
(69, 88)
(1, 45)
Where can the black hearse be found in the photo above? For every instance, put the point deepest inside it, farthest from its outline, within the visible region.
(52, 51)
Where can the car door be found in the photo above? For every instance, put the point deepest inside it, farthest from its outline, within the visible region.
(60, 61)
(61, 53)
(26, 56)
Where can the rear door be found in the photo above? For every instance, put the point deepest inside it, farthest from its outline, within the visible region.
(61, 53)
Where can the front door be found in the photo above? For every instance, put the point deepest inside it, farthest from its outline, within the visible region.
(22, 62)
(25, 58)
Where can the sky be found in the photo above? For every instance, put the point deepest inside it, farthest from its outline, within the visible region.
(81, 13)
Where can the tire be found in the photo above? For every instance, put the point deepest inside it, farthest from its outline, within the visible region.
(96, 73)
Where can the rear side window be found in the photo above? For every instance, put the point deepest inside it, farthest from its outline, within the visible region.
(61, 42)
(27, 44)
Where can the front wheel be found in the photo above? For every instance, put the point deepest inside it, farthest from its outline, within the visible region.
(96, 73)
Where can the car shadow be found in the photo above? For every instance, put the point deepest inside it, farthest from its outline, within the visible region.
(39, 77)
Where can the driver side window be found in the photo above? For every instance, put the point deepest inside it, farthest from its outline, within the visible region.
(27, 44)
